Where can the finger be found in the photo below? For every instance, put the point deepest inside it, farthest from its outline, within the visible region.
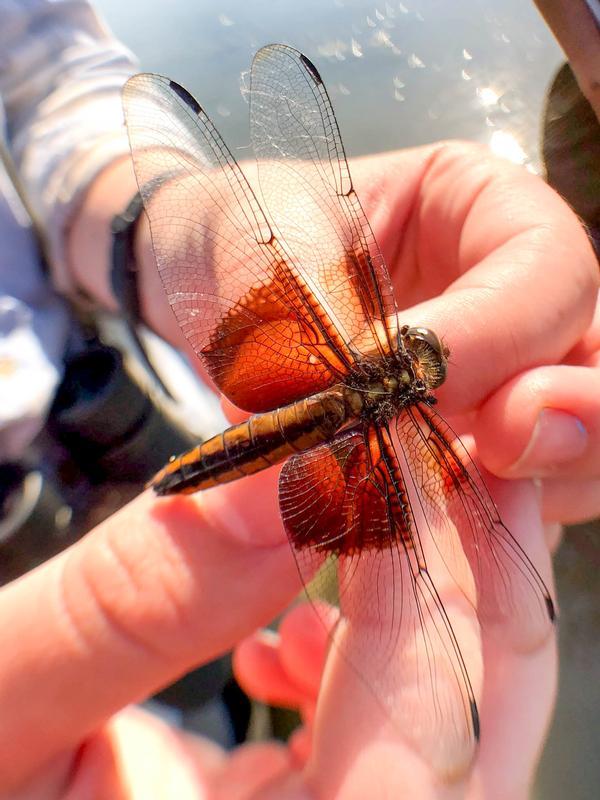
(356, 752)
(137, 754)
(305, 636)
(286, 668)
(259, 671)
(587, 350)
(519, 686)
(158, 588)
(287, 787)
(251, 770)
(300, 744)
(517, 276)
(544, 423)
(570, 501)
(232, 412)
(553, 533)
(380, 756)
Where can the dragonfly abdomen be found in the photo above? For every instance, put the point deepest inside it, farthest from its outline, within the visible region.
(261, 441)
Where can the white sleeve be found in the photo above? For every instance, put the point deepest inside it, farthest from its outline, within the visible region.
(61, 73)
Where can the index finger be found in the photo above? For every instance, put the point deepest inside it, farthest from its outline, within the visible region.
(158, 588)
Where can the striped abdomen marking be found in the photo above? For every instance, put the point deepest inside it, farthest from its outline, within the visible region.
(260, 442)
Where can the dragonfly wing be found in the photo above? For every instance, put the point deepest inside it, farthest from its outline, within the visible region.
(351, 527)
(239, 301)
(307, 190)
(467, 529)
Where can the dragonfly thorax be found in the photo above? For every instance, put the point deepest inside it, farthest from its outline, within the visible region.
(378, 388)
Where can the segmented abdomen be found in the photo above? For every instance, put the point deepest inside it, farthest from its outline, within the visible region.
(260, 442)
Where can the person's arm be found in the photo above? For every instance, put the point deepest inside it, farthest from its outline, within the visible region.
(62, 96)
(89, 249)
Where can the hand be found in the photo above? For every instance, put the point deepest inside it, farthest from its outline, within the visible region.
(488, 256)
(514, 283)
(166, 584)
(158, 588)
(345, 747)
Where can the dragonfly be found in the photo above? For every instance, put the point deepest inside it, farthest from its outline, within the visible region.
(284, 295)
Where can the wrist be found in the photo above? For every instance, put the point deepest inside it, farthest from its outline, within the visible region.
(90, 250)
(90, 239)
(153, 304)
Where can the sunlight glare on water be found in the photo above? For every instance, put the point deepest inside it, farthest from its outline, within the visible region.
(505, 145)
(442, 53)
(487, 96)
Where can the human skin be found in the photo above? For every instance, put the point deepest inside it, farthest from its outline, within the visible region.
(489, 257)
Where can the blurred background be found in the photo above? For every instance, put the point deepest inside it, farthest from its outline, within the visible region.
(399, 74)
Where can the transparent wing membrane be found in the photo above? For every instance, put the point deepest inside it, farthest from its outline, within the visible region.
(350, 524)
(232, 288)
(307, 188)
(467, 531)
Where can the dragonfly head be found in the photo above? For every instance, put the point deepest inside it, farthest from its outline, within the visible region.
(431, 356)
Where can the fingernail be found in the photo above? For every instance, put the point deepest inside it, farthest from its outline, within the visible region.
(557, 439)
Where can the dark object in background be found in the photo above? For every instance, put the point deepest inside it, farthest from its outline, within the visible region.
(113, 429)
(105, 437)
(239, 708)
(569, 765)
(33, 518)
(571, 149)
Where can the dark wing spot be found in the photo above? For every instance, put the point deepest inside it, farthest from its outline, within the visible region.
(187, 98)
(311, 69)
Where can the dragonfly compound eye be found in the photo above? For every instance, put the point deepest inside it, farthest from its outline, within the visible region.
(431, 354)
